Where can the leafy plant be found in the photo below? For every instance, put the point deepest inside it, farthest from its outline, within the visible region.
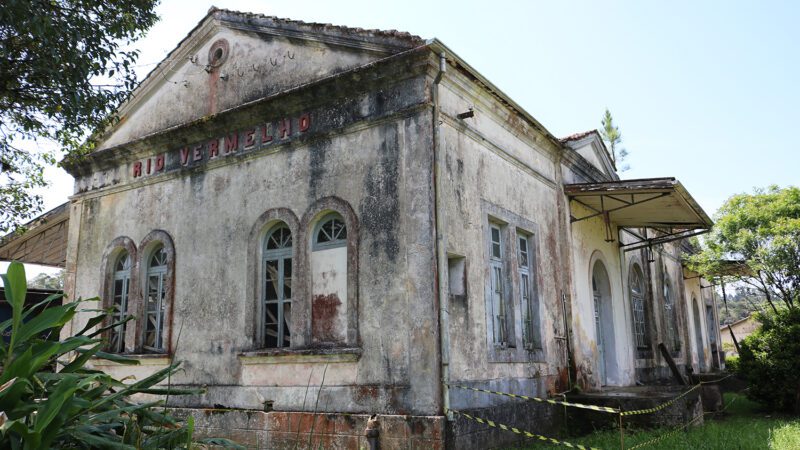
(756, 241)
(50, 399)
(769, 360)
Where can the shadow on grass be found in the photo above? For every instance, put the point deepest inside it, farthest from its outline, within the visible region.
(743, 425)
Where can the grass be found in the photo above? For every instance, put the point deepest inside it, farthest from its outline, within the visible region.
(744, 425)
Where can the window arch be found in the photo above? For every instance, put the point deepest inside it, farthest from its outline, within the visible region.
(120, 299)
(155, 300)
(157, 265)
(119, 293)
(330, 253)
(276, 292)
(670, 311)
(636, 288)
(330, 232)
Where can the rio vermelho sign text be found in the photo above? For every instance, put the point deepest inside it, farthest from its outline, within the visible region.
(254, 138)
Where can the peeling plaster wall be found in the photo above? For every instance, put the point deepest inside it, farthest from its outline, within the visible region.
(376, 157)
(497, 165)
(692, 290)
(588, 247)
(257, 65)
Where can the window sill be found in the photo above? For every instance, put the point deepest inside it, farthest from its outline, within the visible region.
(301, 355)
(145, 359)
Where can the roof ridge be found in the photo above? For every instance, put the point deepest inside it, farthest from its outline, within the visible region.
(359, 30)
(579, 135)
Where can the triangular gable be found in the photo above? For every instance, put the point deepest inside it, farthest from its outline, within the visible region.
(231, 58)
(591, 147)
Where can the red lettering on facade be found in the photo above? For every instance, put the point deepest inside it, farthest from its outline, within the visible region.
(284, 128)
(249, 138)
(304, 122)
(231, 142)
(137, 169)
(148, 166)
(266, 133)
(213, 148)
(185, 155)
(160, 162)
(198, 153)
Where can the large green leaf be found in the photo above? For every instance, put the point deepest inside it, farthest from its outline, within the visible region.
(53, 317)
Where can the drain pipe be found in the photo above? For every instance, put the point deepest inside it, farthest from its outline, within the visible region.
(441, 242)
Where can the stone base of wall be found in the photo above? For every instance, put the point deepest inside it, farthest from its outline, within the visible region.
(299, 430)
(466, 434)
(686, 409)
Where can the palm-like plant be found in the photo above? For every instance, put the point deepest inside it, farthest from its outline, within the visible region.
(50, 399)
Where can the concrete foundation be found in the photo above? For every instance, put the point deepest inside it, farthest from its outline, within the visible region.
(301, 430)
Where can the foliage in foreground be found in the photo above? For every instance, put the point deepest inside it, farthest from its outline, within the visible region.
(74, 406)
(770, 360)
(743, 425)
(65, 66)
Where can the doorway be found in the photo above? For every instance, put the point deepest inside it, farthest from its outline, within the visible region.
(698, 336)
(604, 323)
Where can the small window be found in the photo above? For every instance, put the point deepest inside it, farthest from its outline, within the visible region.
(277, 287)
(456, 271)
(528, 305)
(330, 232)
(155, 300)
(122, 279)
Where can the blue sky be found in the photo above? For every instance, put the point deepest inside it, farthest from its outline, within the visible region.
(703, 91)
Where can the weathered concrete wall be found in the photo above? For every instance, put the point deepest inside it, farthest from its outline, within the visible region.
(589, 248)
(261, 59)
(371, 151)
(497, 167)
(701, 351)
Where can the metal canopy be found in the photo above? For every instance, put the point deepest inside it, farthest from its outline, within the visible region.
(661, 205)
(43, 242)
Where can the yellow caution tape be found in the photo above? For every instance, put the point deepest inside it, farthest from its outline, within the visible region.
(659, 407)
(516, 430)
(542, 400)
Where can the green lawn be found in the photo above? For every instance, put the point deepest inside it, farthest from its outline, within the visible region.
(743, 426)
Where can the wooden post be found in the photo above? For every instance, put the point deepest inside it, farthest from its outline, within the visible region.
(735, 342)
(675, 372)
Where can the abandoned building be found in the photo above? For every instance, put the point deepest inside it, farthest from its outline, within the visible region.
(322, 219)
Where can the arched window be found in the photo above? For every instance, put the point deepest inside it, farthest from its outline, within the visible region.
(330, 309)
(120, 295)
(155, 300)
(277, 287)
(670, 312)
(330, 232)
(638, 304)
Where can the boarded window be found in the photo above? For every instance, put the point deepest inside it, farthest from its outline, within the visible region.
(329, 269)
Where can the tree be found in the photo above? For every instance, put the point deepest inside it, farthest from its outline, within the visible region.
(50, 399)
(65, 66)
(45, 281)
(613, 139)
(768, 360)
(756, 241)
